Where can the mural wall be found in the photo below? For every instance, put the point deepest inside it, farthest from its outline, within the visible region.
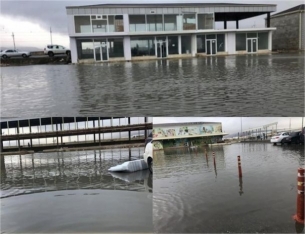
(187, 130)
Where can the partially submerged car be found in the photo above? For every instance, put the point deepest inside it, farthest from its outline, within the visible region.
(148, 155)
(294, 137)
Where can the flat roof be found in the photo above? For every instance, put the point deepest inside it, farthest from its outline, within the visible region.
(192, 136)
(162, 4)
(183, 124)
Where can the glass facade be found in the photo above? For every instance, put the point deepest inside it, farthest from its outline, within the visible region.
(82, 24)
(85, 49)
(240, 41)
(221, 42)
(205, 21)
(170, 22)
(200, 43)
(173, 45)
(263, 41)
(154, 22)
(116, 47)
(186, 44)
(142, 46)
(137, 23)
(189, 22)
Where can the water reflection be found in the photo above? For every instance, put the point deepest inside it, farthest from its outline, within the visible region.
(189, 196)
(43, 172)
(229, 85)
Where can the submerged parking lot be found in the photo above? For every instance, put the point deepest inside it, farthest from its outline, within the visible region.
(193, 195)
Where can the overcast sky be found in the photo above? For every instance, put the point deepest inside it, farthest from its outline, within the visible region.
(31, 20)
(233, 125)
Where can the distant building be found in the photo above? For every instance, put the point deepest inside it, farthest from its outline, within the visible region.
(186, 134)
(290, 29)
(113, 32)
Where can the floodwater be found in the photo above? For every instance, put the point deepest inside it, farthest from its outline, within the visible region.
(73, 192)
(193, 196)
(247, 85)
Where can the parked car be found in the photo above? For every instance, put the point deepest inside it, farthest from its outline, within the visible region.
(14, 53)
(293, 137)
(279, 138)
(148, 155)
(51, 50)
(302, 136)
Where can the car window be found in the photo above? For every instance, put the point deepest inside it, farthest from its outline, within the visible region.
(9, 51)
(57, 47)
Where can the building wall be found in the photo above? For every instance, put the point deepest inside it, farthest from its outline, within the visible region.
(286, 36)
(302, 43)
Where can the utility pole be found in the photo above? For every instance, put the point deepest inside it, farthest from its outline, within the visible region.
(51, 35)
(241, 126)
(290, 125)
(14, 40)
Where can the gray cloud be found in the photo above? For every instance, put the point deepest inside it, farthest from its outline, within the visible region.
(53, 13)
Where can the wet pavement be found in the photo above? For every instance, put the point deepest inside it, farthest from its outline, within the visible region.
(247, 85)
(191, 195)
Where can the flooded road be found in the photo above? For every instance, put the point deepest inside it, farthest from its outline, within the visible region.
(245, 85)
(75, 191)
(193, 196)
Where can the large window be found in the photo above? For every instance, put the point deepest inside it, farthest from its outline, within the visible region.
(137, 23)
(240, 41)
(82, 24)
(85, 49)
(142, 46)
(200, 43)
(170, 22)
(263, 39)
(186, 44)
(220, 42)
(189, 22)
(100, 24)
(251, 35)
(205, 21)
(154, 22)
(173, 45)
(116, 47)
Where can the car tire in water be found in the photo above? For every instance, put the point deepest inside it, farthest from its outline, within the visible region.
(282, 142)
(150, 165)
(4, 56)
(24, 56)
(68, 53)
(51, 54)
(274, 143)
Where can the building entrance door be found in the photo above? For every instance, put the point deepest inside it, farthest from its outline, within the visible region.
(101, 50)
(161, 47)
(211, 46)
(252, 45)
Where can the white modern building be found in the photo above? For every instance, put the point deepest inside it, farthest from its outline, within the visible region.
(113, 32)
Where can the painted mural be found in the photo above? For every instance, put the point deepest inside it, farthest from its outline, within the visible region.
(191, 142)
(186, 130)
(157, 145)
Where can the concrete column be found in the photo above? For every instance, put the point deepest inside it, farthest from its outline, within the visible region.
(94, 131)
(194, 45)
(270, 41)
(73, 49)
(126, 22)
(268, 20)
(127, 49)
(179, 44)
(231, 43)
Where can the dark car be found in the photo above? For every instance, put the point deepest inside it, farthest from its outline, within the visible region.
(302, 136)
(294, 137)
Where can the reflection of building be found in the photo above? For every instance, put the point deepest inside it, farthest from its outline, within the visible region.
(186, 134)
(147, 31)
(290, 25)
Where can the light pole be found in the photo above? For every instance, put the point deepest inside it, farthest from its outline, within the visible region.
(51, 35)
(14, 40)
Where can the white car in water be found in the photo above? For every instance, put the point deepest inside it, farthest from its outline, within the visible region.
(148, 155)
(52, 50)
(279, 138)
(14, 53)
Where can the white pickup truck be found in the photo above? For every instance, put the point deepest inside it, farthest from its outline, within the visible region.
(148, 155)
